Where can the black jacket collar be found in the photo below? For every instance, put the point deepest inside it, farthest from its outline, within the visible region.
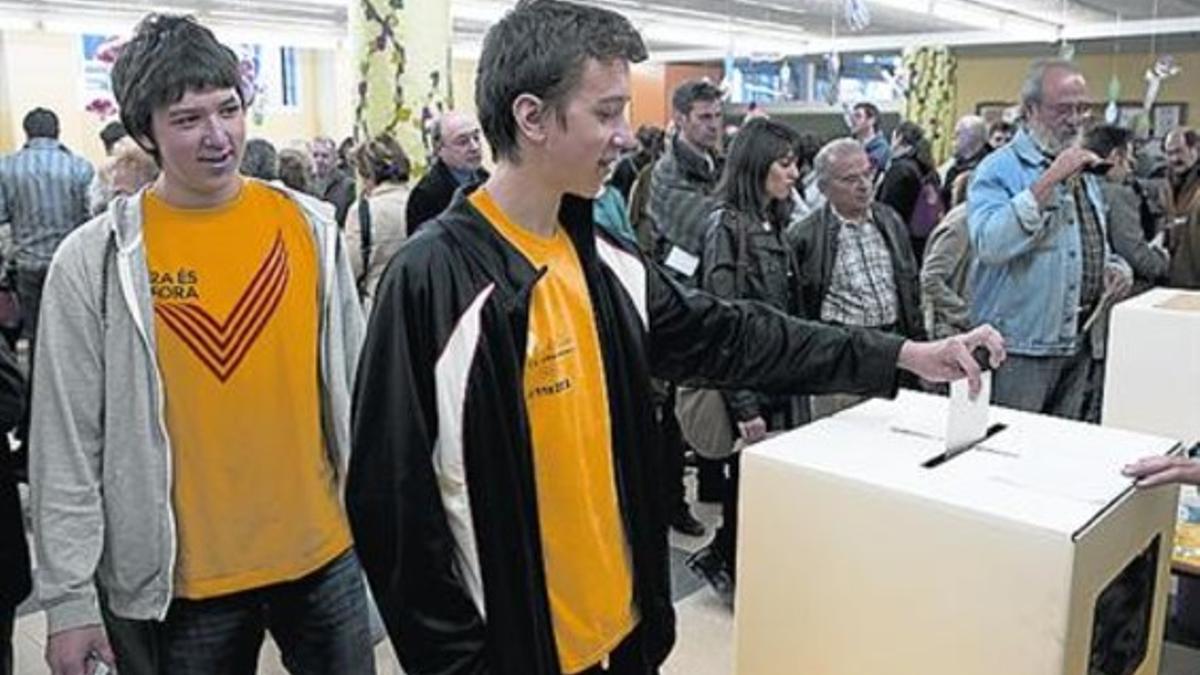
(471, 229)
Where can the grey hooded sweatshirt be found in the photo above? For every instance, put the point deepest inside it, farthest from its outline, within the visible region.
(101, 472)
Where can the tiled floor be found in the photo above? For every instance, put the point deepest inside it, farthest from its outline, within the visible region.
(705, 628)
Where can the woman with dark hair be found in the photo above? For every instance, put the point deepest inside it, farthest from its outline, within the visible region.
(376, 228)
(911, 185)
(745, 257)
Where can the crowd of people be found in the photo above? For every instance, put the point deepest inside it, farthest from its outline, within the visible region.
(219, 443)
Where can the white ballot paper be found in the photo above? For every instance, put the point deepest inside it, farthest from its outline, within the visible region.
(967, 421)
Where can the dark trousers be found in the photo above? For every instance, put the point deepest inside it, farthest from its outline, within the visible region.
(30, 281)
(7, 619)
(629, 658)
(673, 445)
(29, 291)
(725, 539)
(1050, 385)
(319, 622)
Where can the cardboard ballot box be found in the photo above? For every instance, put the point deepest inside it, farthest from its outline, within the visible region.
(1152, 378)
(1028, 554)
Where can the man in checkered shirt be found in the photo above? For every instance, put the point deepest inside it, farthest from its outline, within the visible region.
(856, 266)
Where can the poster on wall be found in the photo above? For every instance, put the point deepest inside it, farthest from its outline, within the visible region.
(99, 53)
(271, 73)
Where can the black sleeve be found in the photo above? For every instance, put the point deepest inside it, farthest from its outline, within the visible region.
(421, 207)
(392, 498)
(718, 274)
(700, 340)
(14, 552)
(342, 201)
(899, 190)
(12, 388)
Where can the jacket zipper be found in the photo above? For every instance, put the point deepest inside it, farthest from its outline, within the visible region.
(125, 275)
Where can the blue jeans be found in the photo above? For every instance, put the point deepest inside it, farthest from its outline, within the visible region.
(319, 623)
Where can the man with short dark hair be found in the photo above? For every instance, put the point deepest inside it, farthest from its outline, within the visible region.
(504, 484)
(191, 402)
(1182, 148)
(682, 181)
(111, 133)
(330, 183)
(864, 127)
(43, 197)
(1131, 228)
(678, 210)
(1000, 134)
(100, 190)
(458, 146)
(1044, 272)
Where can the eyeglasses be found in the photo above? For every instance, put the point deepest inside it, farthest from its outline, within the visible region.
(1069, 109)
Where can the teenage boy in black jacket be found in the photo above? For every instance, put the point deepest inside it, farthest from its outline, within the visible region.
(504, 486)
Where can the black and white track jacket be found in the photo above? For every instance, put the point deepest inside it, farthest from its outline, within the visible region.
(441, 492)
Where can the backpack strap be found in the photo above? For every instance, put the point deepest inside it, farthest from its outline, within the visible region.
(364, 238)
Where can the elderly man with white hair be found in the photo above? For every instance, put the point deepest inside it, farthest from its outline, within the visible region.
(1044, 271)
(856, 264)
(970, 147)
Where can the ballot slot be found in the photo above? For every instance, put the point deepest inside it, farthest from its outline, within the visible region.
(941, 458)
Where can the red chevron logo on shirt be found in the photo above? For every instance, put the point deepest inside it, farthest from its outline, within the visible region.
(222, 345)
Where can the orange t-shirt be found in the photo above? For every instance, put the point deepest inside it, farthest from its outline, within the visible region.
(589, 576)
(236, 311)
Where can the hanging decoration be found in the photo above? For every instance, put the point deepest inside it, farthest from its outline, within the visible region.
(833, 63)
(858, 15)
(1164, 68)
(103, 104)
(384, 53)
(1112, 112)
(403, 52)
(897, 79)
(932, 76)
(785, 81)
(249, 58)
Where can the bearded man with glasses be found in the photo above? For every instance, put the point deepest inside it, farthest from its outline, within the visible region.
(1045, 272)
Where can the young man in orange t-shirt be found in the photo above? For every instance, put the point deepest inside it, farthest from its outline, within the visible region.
(192, 401)
(505, 486)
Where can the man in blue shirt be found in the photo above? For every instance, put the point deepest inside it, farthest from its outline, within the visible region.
(864, 126)
(43, 197)
(1044, 271)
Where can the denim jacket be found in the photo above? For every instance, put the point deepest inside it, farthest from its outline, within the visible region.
(1026, 282)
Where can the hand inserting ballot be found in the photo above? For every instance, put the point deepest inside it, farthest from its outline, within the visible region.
(952, 358)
